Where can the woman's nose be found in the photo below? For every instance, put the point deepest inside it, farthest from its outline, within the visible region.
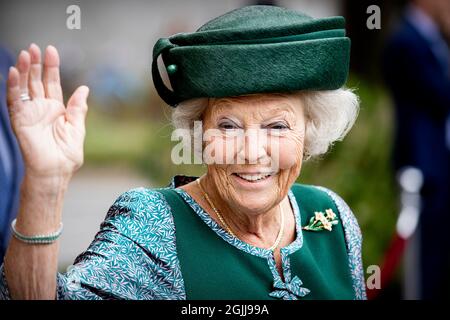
(254, 146)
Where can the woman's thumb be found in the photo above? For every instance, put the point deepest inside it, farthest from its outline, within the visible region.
(77, 106)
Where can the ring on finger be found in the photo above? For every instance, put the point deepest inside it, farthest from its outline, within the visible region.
(25, 97)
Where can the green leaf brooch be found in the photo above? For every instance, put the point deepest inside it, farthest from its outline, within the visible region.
(322, 221)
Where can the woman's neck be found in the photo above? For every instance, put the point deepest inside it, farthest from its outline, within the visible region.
(259, 228)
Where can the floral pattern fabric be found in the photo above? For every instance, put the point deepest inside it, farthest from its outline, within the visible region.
(133, 256)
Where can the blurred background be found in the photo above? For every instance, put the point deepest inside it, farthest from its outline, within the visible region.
(128, 131)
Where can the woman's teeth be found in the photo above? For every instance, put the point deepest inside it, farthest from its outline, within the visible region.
(253, 177)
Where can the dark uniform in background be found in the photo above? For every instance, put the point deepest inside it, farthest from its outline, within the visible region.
(417, 71)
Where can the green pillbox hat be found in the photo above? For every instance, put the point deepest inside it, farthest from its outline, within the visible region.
(253, 49)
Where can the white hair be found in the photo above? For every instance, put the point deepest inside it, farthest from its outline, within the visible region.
(330, 114)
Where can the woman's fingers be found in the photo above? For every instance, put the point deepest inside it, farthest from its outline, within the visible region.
(23, 66)
(35, 76)
(52, 82)
(77, 107)
(13, 93)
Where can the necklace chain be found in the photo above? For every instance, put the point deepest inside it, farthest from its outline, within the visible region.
(222, 220)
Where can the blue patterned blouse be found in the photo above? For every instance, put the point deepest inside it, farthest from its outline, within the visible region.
(134, 255)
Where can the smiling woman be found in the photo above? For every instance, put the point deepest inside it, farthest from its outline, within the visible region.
(267, 85)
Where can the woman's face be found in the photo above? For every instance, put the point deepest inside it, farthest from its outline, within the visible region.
(248, 137)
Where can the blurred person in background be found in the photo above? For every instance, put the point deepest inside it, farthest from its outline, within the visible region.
(11, 167)
(417, 71)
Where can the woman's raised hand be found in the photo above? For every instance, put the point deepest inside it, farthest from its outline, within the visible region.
(51, 139)
(50, 136)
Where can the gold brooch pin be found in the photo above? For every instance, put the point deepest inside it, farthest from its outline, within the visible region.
(321, 221)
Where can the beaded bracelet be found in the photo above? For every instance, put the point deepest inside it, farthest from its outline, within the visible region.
(39, 239)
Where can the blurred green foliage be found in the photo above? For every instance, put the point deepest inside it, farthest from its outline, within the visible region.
(358, 168)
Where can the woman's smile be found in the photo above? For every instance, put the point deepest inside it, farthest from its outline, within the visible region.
(253, 180)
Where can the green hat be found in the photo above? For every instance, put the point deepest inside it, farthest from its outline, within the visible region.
(253, 49)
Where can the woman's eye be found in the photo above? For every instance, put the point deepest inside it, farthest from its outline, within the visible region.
(227, 126)
(278, 126)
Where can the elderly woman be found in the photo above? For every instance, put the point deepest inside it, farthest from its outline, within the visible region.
(266, 84)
